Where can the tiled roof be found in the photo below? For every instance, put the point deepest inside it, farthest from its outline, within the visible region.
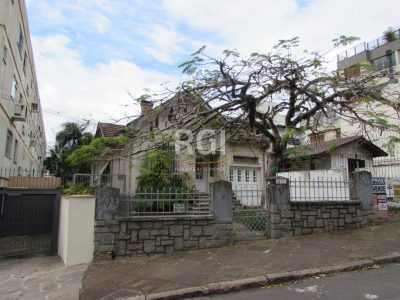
(109, 129)
(323, 148)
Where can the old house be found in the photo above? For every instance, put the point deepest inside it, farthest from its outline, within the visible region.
(218, 155)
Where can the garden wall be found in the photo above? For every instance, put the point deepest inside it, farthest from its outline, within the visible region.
(146, 235)
(297, 218)
(128, 237)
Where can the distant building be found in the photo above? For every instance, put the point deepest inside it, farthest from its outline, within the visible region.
(383, 54)
(22, 137)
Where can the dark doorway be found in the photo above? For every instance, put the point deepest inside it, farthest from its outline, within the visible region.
(355, 164)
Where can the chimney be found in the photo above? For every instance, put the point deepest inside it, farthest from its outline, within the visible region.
(146, 106)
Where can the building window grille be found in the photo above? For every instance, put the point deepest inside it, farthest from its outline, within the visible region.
(14, 88)
(254, 176)
(15, 158)
(8, 143)
(20, 42)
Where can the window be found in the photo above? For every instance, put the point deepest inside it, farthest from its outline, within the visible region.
(247, 175)
(24, 63)
(5, 54)
(20, 42)
(15, 151)
(254, 176)
(239, 175)
(212, 169)
(384, 62)
(317, 138)
(245, 159)
(14, 88)
(199, 170)
(8, 143)
(230, 175)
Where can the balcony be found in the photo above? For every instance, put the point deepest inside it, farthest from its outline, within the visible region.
(383, 40)
(18, 113)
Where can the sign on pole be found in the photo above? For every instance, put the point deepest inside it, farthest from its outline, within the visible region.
(380, 199)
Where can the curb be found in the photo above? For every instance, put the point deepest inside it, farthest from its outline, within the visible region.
(269, 279)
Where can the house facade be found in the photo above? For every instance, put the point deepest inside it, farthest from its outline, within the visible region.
(325, 153)
(236, 158)
(22, 137)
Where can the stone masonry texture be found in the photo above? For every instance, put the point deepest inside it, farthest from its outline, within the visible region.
(135, 237)
(305, 218)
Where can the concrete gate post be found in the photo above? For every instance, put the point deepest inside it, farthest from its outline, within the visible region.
(362, 188)
(107, 203)
(279, 191)
(221, 201)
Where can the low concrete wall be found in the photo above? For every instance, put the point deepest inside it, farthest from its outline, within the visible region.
(76, 230)
(135, 236)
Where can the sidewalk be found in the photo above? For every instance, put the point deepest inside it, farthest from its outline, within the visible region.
(145, 275)
(41, 277)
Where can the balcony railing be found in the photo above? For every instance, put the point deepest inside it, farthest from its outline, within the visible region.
(367, 46)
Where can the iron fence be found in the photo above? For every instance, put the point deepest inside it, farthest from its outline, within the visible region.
(166, 202)
(95, 180)
(367, 46)
(320, 190)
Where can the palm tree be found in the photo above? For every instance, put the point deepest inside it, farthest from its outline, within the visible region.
(73, 135)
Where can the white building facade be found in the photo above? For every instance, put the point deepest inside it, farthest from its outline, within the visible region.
(383, 54)
(22, 137)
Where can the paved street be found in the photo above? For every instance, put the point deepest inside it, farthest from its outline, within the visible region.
(159, 273)
(382, 283)
(42, 277)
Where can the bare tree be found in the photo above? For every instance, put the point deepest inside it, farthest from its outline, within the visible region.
(267, 97)
(262, 92)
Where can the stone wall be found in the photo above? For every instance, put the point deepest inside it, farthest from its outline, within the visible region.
(136, 237)
(316, 217)
(297, 218)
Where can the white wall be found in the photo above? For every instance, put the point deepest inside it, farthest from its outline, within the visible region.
(318, 185)
(76, 230)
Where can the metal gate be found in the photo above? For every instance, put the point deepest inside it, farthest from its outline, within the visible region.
(250, 214)
(28, 221)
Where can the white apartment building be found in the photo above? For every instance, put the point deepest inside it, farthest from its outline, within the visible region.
(383, 54)
(22, 137)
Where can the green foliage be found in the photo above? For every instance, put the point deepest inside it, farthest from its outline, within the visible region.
(77, 190)
(344, 40)
(389, 35)
(97, 147)
(155, 173)
(71, 137)
(156, 183)
(331, 147)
